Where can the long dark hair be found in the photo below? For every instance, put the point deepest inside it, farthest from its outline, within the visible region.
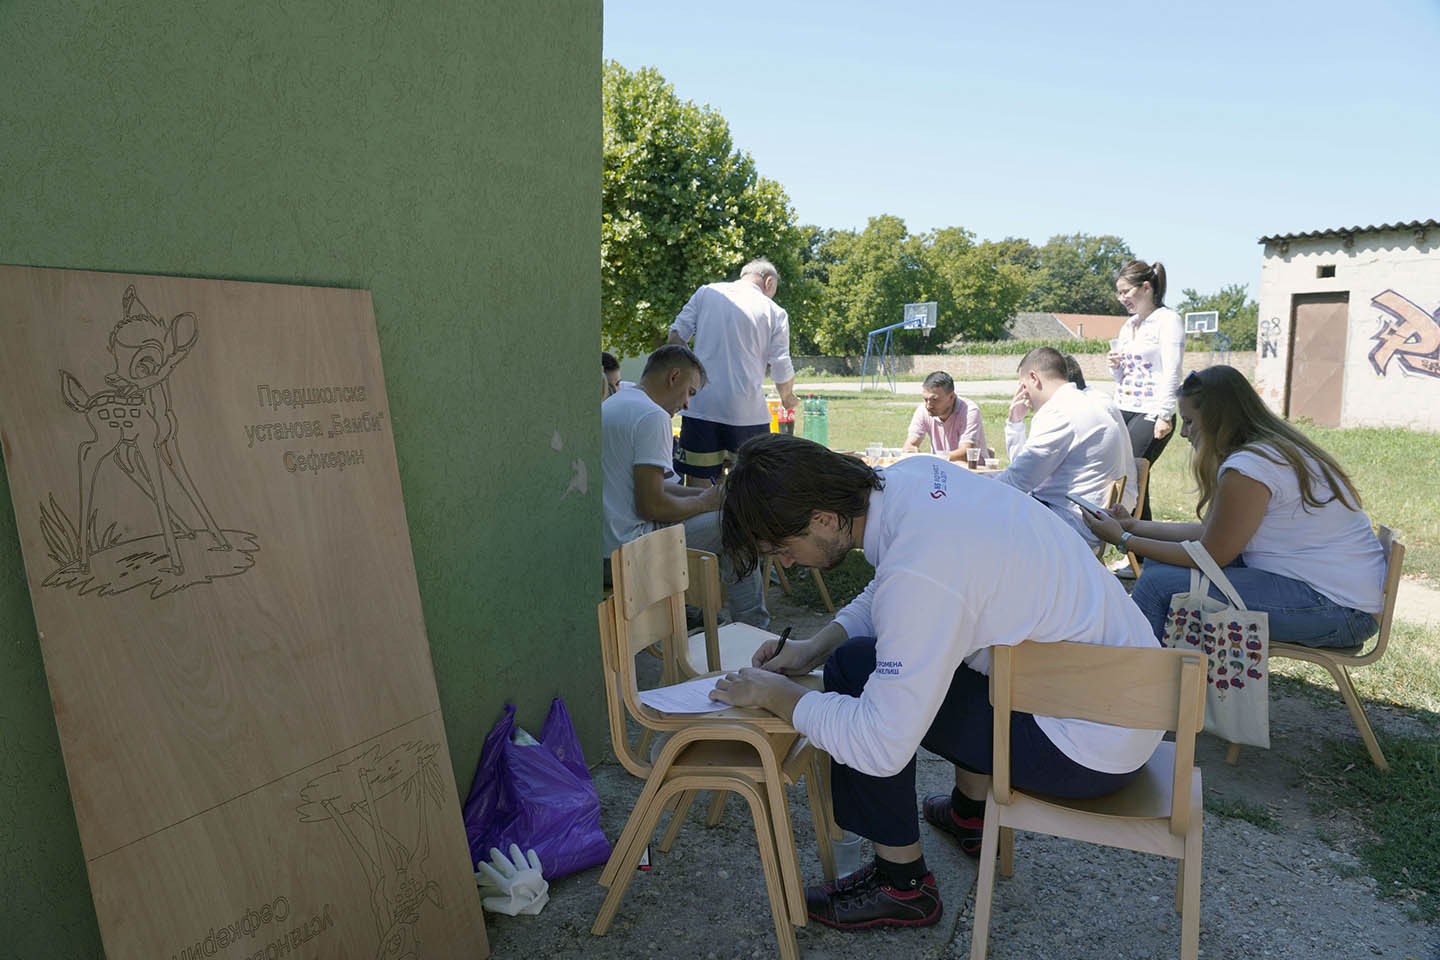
(1233, 417)
(777, 481)
(1137, 272)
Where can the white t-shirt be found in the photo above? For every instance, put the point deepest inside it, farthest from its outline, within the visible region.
(1075, 447)
(1149, 375)
(634, 430)
(1332, 547)
(737, 331)
(963, 563)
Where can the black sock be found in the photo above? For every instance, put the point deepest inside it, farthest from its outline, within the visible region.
(904, 876)
(965, 808)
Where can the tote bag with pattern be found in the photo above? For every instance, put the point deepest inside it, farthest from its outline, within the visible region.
(1237, 643)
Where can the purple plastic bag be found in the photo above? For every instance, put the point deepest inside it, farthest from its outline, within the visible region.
(536, 794)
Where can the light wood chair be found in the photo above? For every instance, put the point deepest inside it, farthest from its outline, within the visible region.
(1339, 660)
(770, 565)
(1161, 811)
(1142, 483)
(749, 752)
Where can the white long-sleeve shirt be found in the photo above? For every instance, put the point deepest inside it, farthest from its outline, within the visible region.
(1015, 442)
(963, 563)
(1149, 376)
(1075, 447)
(738, 331)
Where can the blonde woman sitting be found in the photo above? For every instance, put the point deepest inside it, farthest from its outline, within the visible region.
(1277, 512)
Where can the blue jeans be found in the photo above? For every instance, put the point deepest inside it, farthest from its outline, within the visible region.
(1298, 612)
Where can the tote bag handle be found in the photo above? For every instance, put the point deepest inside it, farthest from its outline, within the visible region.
(1212, 570)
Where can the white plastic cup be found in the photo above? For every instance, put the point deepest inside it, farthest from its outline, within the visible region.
(992, 463)
(1115, 345)
(847, 854)
(972, 458)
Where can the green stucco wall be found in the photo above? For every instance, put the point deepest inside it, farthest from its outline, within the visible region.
(445, 156)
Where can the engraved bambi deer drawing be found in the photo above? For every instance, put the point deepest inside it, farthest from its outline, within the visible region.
(134, 423)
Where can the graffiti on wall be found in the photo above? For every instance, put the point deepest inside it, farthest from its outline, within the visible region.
(1411, 335)
(1270, 338)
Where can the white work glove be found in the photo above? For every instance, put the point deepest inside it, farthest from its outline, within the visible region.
(518, 887)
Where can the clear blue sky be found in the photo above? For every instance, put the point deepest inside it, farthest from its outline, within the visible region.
(1189, 130)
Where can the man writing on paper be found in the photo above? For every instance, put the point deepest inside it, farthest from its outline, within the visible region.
(636, 442)
(951, 422)
(1075, 447)
(906, 661)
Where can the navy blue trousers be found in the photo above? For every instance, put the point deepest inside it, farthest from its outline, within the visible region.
(883, 808)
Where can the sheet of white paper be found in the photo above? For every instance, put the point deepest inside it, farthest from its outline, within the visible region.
(692, 696)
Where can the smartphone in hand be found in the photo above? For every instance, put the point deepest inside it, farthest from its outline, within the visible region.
(1093, 509)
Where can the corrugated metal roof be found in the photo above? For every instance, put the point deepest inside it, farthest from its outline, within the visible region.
(1350, 231)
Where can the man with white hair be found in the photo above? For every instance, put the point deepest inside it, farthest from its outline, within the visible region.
(738, 330)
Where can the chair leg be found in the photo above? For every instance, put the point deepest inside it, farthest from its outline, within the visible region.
(1232, 754)
(1357, 713)
(816, 791)
(820, 585)
(785, 841)
(628, 859)
(1007, 852)
(716, 809)
(766, 837)
(780, 572)
(1190, 889)
(677, 819)
(985, 881)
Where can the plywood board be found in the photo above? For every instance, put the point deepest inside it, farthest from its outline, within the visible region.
(209, 507)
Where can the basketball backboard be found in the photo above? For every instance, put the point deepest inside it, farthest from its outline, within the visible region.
(1203, 321)
(920, 316)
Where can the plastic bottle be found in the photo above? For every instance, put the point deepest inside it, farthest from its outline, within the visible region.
(787, 420)
(773, 402)
(847, 854)
(817, 420)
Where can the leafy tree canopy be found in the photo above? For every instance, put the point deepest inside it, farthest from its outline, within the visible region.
(680, 207)
(1076, 274)
(1239, 315)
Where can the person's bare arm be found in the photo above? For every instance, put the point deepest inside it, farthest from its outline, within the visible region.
(1240, 503)
(661, 502)
(787, 394)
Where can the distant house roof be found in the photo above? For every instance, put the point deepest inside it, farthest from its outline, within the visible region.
(1417, 225)
(1092, 326)
(1038, 326)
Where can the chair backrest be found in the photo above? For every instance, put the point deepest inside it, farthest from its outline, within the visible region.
(1116, 491)
(1394, 549)
(1141, 688)
(651, 575)
(705, 592)
(1142, 479)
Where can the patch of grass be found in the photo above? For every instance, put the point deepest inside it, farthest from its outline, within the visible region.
(843, 583)
(1407, 676)
(1401, 807)
(1254, 813)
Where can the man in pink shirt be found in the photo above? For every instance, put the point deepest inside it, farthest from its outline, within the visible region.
(952, 423)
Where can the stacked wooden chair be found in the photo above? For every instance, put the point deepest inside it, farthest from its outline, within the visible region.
(735, 750)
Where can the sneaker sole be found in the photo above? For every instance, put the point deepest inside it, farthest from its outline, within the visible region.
(881, 921)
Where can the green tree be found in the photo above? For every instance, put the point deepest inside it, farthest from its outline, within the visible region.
(982, 288)
(869, 277)
(1239, 315)
(1076, 274)
(680, 207)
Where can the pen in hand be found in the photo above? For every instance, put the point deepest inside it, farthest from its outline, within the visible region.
(784, 635)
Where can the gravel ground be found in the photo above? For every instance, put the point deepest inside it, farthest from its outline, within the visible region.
(1296, 892)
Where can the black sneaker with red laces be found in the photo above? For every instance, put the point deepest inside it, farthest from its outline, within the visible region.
(940, 813)
(864, 899)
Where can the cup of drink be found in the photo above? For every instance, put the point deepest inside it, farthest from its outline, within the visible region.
(1114, 344)
(873, 451)
(992, 463)
(972, 458)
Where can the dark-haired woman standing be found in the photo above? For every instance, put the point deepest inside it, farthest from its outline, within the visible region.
(1147, 361)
